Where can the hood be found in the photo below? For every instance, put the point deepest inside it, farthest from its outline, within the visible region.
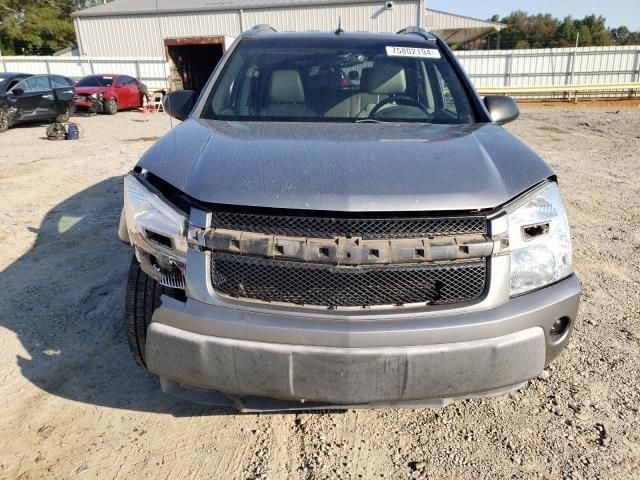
(90, 90)
(346, 166)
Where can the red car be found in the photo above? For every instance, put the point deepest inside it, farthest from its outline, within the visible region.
(109, 93)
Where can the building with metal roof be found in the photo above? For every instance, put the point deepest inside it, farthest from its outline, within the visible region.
(139, 28)
(192, 35)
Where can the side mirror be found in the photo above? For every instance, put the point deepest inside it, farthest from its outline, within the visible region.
(17, 91)
(501, 108)
(179, 104)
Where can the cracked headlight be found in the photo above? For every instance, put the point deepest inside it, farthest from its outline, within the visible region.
(154, 225)
(539, 240)
(96, 96)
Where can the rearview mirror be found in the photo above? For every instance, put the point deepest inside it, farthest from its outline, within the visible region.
(179, 104)
(501, 108)
(17, 91)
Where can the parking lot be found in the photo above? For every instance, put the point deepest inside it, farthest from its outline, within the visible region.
(75, 405)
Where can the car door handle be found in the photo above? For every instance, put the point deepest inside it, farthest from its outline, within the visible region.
(47, 96)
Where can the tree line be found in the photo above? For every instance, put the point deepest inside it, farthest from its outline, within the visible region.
(38, 27)
(545, 31)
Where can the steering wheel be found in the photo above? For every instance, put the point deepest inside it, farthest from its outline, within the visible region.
(399, 100)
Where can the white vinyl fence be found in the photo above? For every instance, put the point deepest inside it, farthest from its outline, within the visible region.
(151, 71)
(552, 66)
(487, 68)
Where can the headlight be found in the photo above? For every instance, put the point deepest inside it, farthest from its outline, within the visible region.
(153, 225)
(96, 96)
(539, 241)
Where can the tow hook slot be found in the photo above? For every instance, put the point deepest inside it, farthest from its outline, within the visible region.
(164, 272)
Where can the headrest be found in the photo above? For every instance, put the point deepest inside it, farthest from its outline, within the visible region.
(365, 79)
(286, 87)
(384, 78)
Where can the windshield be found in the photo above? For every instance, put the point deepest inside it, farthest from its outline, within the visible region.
(95, 81)
(338, 80)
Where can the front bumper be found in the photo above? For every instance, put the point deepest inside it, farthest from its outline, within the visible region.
(92, 105)
(395, 361)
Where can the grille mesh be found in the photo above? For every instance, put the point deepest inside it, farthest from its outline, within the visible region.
(367, 228)
(331, 286)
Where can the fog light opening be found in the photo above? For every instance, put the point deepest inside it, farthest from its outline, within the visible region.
(560, 326)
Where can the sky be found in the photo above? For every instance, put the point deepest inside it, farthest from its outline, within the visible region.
(617, 12)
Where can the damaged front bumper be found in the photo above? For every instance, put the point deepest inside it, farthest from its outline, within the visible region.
(254, 360)
(96, 105)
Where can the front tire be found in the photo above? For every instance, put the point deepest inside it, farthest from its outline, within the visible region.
(111, 106)
(141, 300)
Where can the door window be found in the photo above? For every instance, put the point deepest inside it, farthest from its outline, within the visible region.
(34, 84)
(125, 80)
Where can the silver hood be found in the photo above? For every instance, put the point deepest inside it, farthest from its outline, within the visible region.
(346, 166)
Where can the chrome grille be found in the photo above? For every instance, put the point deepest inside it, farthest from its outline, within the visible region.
(334, 286)
(311, 226)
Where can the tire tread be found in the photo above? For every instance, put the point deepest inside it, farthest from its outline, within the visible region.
(141, 300)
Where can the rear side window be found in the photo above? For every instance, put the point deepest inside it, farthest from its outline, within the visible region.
(59, 82)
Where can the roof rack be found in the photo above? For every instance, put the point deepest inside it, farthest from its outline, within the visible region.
(428, 36)
(261, 28)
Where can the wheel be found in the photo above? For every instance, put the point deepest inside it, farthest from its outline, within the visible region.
(141, 300)
(111, 106)
(4, 120)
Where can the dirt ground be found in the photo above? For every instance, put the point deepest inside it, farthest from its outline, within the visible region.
(74, 405)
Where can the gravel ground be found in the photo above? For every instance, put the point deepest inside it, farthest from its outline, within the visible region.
(75, 405)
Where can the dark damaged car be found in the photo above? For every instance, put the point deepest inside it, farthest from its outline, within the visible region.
(28, 98)
(302, 243)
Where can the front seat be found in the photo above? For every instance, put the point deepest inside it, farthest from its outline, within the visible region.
(286, 96)
(386, 79)
(376, 83)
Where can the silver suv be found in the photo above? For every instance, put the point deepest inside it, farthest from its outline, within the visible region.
(340, 221)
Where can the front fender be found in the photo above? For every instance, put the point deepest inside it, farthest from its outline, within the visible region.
(123, 233)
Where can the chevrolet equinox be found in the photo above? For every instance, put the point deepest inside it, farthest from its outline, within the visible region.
(340, 221)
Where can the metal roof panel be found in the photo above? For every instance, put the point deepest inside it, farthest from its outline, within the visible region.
(138, 7)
